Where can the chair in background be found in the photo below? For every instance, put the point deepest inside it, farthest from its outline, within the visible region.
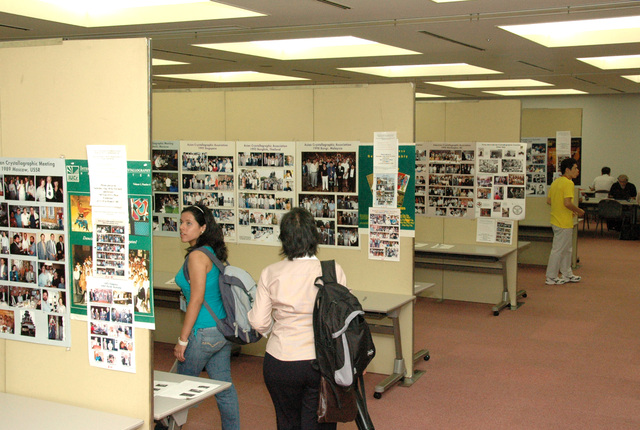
(608, 210)
(590, 214)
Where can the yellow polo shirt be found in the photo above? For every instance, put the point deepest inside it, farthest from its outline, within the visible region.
(560, 189)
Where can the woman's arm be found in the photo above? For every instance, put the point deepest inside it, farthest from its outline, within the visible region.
(260, 315)
(199, 265)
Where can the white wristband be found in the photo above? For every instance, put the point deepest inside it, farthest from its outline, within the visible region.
(183, 342)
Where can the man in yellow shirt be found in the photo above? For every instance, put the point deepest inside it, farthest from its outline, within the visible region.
(560, 198)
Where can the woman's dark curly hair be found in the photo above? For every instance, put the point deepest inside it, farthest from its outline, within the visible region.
(298, 234)
(212, 235)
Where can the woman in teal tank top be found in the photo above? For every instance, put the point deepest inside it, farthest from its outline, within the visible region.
(200, 345)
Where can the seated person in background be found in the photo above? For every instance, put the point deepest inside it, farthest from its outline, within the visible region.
(602, 184)
(623, 189)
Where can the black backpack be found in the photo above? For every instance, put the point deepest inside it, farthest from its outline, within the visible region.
(343, 342)
(238, 292)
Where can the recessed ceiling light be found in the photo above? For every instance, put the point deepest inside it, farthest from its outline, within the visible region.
(614, 62)
(535, 92)
(161, 62)
(491, 83)
(312, 48)
(447, 1)
(603, 31)
(104, 13)
(232, 77)
(103, 6)
(422, 70)
(634, 78)
(426, 95)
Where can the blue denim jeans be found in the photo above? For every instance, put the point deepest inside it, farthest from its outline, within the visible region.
(209, 350)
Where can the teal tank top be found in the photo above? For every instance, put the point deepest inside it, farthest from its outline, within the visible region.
(211, 296)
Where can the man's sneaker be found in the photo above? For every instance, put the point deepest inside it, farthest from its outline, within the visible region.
(555, 281)
(572, 278)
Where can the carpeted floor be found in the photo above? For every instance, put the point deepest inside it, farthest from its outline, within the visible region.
(568, 359)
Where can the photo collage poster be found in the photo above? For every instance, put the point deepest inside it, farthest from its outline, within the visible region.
(129, 239)
(111, 331)
(385, 170)
(492, 230)
(266, 189)
(422, 176)
(34, 274)
(405, 199)
(327, 185)
(501, 180)
(111, 250)
(448, 169)
(208, 178)
(384, 234)
(536, 166)
(165, 185)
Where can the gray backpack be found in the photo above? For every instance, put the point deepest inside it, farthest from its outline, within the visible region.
(238, 292)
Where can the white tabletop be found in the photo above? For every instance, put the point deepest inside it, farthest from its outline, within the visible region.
(165, 406)
(593, 201)
(27, 413)
(381, 302)
(466, 249)
(165, 280)
(422, 286)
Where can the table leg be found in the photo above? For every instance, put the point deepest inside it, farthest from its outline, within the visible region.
(423, 354)
(177, 420)
(505, 293)
(399, 369)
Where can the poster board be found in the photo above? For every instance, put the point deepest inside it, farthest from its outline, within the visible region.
(81, 244)
(34, 264)
(406, 184)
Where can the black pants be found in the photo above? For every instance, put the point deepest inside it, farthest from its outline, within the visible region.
(293, 386)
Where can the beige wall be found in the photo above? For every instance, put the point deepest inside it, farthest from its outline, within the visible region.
(354, 113)
(474, 121)
(300, 114)
(546, 122)
(55, 99)
(610, 130)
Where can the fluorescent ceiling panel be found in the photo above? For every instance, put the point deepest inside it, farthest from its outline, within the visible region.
(614, 62)
(634, 78)
(422, 70)
(312, 48)
(581, 32)
(425, 95)
(446, 1)
(535, 92)
(232, 77)
(105, 13)
(161, 62)
(493, 83)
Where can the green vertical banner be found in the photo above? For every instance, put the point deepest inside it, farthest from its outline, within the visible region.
(406, 186)
(140, 237)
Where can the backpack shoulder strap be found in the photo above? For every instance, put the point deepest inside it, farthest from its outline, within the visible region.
(213, 314)
(329, 271)
(219, 265)
(212, 257)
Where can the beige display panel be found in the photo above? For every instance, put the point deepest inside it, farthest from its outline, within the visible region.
(301, 114)
(56, 98)
(474, 121)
